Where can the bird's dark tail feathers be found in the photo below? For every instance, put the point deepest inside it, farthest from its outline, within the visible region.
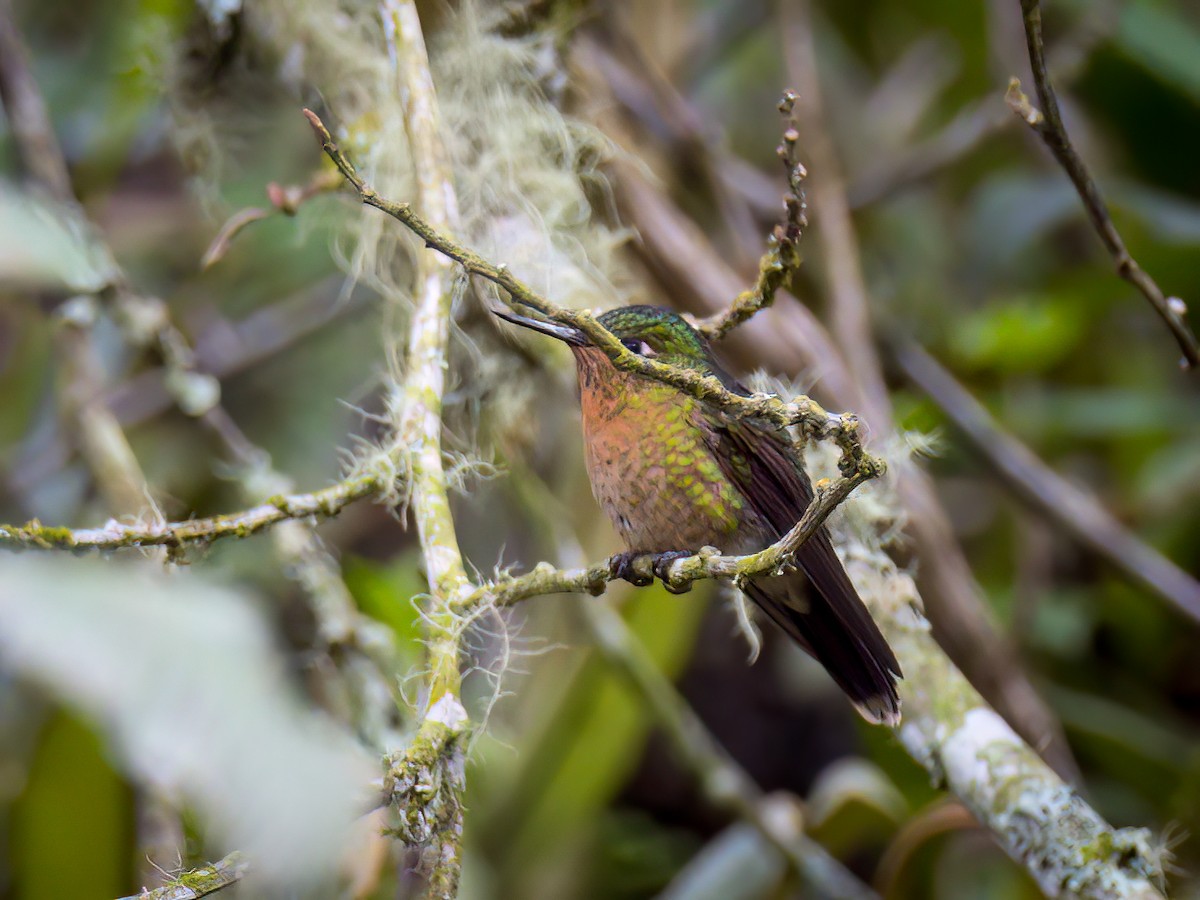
(830, 621)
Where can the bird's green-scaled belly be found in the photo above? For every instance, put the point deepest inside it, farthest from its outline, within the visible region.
(656, 479)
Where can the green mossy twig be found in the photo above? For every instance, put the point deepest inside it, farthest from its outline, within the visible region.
(200, 882)
(116, 535)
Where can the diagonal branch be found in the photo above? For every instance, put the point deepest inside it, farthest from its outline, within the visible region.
(803, 412)
(1048, 124)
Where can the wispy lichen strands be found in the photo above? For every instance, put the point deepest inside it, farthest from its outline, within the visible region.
(804, 412)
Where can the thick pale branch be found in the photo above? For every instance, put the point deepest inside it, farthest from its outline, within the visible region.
(117, 535)
(417, 425)
(1040, 820)
(1048, 124)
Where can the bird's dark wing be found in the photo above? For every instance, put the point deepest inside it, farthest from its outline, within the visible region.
(834, 626)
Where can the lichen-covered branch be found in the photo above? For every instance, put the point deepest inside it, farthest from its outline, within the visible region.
(417, 424)
(1048, 123)
(118, 535)
(1040, 820)
(783, 256)
(200, 882)
(804, 412)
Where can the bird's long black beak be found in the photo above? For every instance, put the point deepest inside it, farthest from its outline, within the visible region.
(564, 333)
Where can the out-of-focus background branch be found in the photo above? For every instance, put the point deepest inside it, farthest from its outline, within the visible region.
(605, 154)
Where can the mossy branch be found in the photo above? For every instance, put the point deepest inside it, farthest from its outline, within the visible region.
(679, 575)
(200, 882)
(1038, 819)
(437, 753)
(783, 256)
(119, 536)
(803, 412)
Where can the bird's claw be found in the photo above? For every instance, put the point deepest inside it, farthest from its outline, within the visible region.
(640, 569)
(662, 570)
(632, 567)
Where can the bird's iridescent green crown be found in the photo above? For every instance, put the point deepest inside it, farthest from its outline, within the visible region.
(664, 331)
(663, 334)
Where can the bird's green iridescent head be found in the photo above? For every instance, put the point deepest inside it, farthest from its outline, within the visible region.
(654, 332)
(658, 333)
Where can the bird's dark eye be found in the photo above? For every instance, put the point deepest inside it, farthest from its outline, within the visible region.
(638, 346)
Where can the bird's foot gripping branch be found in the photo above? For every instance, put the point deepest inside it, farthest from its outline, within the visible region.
(805, 414)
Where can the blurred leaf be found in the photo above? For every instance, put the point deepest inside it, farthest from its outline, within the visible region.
(1168, 217)
(1063, 623)
(1009, 216)
(384, 591)
(1090, 413)
(1019, 334)
(47, 246)
(591, 740)
(182, 679)
(1165, 42)
(970, 864)
(637, 855)
(738, 864)
(853, 804)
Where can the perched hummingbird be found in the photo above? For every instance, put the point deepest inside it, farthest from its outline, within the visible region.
(676, 474)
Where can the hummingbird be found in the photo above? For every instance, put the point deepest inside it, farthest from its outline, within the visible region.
(675, 474)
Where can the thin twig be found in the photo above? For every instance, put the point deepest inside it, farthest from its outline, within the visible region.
(1038, 485)
(783, 256)
(1048, 123)
(285, 200)
(849, 304)
(200, 882)
(118, 535)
